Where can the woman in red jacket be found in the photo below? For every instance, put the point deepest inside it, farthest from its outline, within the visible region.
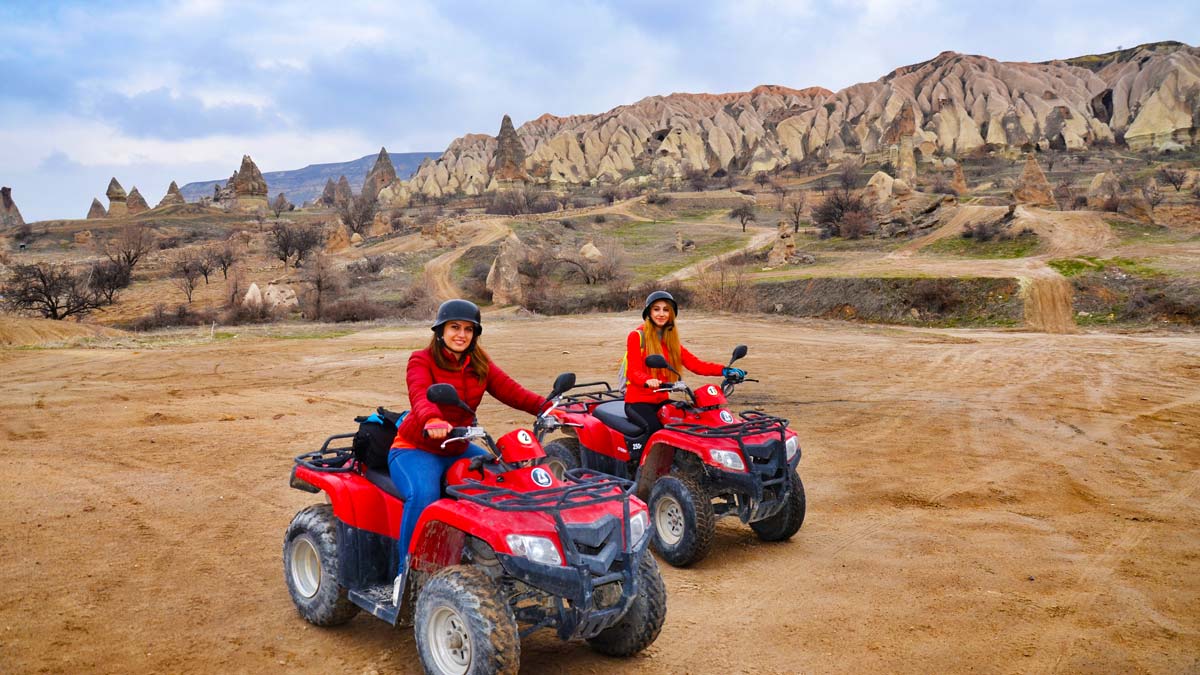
(658, 334)
(418, 460)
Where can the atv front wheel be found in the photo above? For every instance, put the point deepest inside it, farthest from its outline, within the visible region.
(682, 513)
(463, 625)
(640, 626)
(562, 455)
(787, 522)
(310, 567)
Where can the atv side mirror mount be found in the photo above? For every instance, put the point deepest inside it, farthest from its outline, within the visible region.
(562, 383)
(659, 361)
(739, 352)
(445, 394)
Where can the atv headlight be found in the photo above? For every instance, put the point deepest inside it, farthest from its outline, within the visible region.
(537, 549)
(792, 446)
(728, 459)
(638, 525)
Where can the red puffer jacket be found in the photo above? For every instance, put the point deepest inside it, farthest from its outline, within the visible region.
(423, 372)
(637, 373)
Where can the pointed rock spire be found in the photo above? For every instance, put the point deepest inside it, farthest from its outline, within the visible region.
(249, 181)
(1032, 187)
(509, 160)
(328, 194)
(97, 210)
(342, 194)
(381, 174)
(10, 215)
(115, 192)
(172, 198)
(135, 203)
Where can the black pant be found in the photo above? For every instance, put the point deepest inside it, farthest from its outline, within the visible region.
(645, 414)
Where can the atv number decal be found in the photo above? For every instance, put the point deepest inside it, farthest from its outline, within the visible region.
(523, 437)
(541, 477)
(712, 391)
(726, 417)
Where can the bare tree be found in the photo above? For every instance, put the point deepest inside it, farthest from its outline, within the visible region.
(795, 210)
(205, 264)
(744, 214)
(260, 217)
(358, 213)
(107, 278)
(287, 239)
(849, 174)
(609, 195)
(779, 191)
(52, 291)
(130, 245)
(185, 273)
(564, 199)
(831, 213)
(308, 237)
(855, 224)
(762, 178)
(1173, 177)
(280, 205)
(326, 281)
(224, 255)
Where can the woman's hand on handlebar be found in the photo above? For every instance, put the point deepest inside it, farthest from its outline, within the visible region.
(437, 429)
(653, 383)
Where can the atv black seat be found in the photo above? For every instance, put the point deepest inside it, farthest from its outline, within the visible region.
(383, 481)
(613, 414)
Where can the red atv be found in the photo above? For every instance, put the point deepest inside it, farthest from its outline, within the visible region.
(509, 550)
(703, 464)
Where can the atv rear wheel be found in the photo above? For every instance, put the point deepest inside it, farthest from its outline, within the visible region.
(463, 625)
(787, 522)
(562, 455)
(310, 567)
(682, 514)
(642, 622)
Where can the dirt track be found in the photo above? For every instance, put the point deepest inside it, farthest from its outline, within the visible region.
(978, 501)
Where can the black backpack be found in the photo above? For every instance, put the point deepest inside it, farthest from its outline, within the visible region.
(374, 437)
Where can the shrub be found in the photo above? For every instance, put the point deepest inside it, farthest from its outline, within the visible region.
(831, 213)
(656, 198)
(356, 309)
(599, 218)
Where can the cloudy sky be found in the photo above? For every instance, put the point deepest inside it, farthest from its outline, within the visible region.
(151, 92)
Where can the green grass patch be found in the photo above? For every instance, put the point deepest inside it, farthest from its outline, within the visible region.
(810, 243)
(319, 334)
(654, 270)
(1130, 231)
(701, 214)
(1070, 267)
(1017, 247)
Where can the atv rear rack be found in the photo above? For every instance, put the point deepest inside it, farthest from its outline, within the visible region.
(586, 399)
(327, 459)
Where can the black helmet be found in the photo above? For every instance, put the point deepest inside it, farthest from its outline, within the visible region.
(655, 297)
(458, 310)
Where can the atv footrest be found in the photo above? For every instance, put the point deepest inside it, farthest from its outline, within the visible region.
(376, 600)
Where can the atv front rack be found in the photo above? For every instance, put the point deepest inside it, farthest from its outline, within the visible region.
(592, 488)
(753, 424)
(327, 459)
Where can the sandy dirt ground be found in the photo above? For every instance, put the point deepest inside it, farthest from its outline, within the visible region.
(992, 502)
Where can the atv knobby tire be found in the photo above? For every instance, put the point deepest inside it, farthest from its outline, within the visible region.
(681, 513)
(562, 455)
(310, 567)
(641, 624)
(463, 626)
(787, 522)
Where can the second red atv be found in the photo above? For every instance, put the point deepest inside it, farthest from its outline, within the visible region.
(704, 463)
(511, 549)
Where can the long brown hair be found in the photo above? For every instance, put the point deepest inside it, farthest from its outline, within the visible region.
(480, 361)
(650, 345)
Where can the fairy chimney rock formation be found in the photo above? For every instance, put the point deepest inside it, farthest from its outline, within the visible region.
(97, 210)
(248, 185)
(253, 298)
(1032, 187)
(1104, 191)
(784, 248)
(116, 199)
(503, 280)
(381, 175)
(509, 159)
(906, 164)
(342, 194)
(135, 203)
(172, 198)
(326, 198)
(10, 215)
(959, 183)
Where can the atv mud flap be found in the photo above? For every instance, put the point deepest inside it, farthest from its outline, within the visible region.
(764, 489)
(574, 590)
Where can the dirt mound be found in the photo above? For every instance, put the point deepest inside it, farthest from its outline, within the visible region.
(21, 332)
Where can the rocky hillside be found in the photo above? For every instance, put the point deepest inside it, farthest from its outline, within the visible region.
(954, 104)
(302, 185)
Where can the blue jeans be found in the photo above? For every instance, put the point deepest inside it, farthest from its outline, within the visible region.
(418, 476)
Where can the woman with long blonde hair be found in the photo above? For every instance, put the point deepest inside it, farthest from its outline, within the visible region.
(658, 334)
